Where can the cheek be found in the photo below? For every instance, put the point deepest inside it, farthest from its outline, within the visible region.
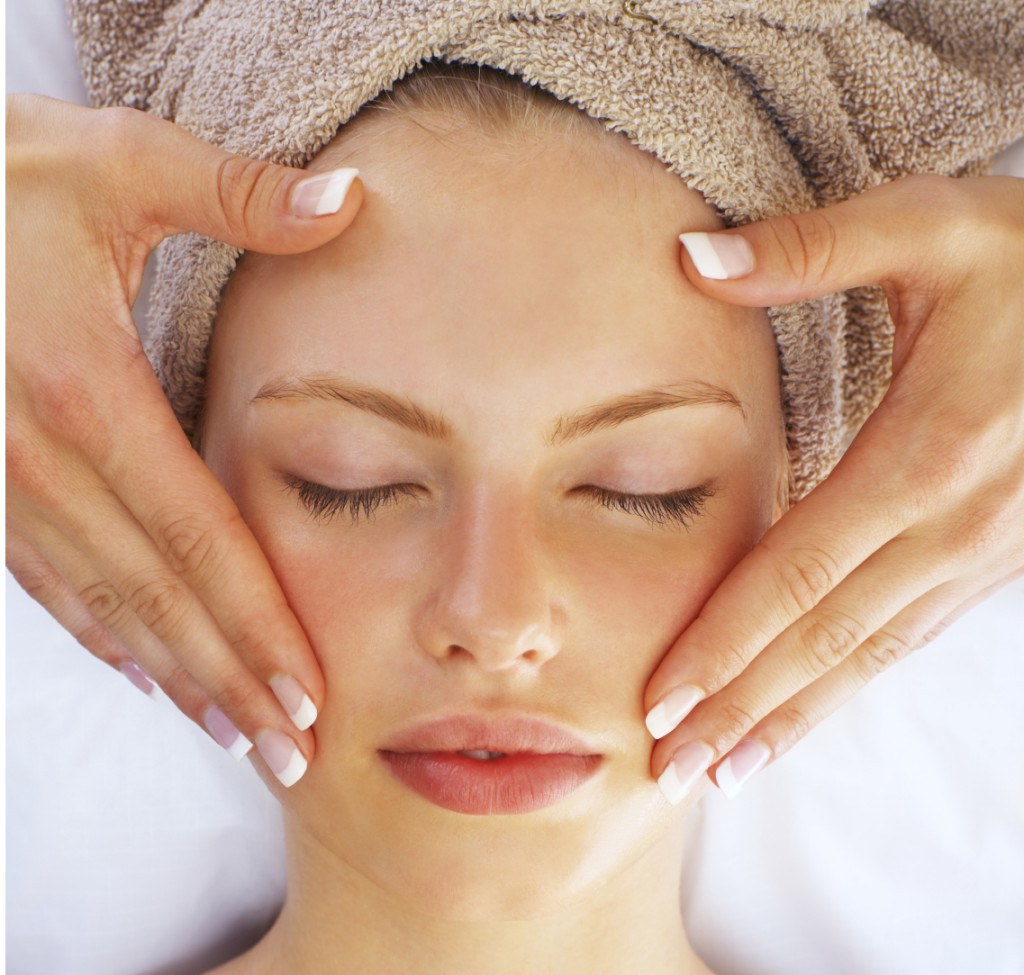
(349, 589)
(631, 599)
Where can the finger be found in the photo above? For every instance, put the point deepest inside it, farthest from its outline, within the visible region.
(192, 569)
(127, 630)
(180, 183)
(897, 576)
(909, 630)
(809, 551)
(49, 588)
(126, 585)
(109, 643)
(852, 243)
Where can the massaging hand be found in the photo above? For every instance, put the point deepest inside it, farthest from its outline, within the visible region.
(114, 524)
(924, 515)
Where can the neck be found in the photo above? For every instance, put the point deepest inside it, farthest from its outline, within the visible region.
(336, 921)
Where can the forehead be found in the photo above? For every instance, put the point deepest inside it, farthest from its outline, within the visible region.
(527, 267)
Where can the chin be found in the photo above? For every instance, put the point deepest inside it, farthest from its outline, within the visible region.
(442, 864)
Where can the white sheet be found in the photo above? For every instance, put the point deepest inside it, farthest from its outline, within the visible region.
(891, 840)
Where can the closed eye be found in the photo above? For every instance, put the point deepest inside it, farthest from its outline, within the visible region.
(323, 503)
(679, 507)
(670, 507)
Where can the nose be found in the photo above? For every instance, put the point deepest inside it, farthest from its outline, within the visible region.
(491, 597)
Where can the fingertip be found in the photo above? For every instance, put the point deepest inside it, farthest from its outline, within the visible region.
(323, 194)
(719, 256)
(338, 195)
(668, 713)
(297, 703)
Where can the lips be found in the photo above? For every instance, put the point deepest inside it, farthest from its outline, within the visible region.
(511, 734)
(542, 764)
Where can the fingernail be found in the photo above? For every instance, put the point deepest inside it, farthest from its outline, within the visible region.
(225, 733)
(719, 255)
(137, 676)
(282, 755)
(294, 700)
(688, 764)
(748, 757)
(676, 705)
(321, 195)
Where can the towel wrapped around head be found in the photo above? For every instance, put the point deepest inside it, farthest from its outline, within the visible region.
(766, 107)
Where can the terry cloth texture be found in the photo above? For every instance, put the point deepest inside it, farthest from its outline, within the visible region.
(766, 107)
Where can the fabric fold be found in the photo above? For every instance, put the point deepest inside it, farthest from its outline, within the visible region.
(766, 108)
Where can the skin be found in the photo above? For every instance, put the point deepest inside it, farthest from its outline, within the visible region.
(483, 284)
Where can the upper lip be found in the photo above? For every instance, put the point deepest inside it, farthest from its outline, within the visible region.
(510, 734)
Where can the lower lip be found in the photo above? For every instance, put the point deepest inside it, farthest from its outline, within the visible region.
(516, 784)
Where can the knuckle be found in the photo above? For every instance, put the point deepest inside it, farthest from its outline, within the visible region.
(935, 631)
(733, 721)
(934, 196)
(809, 243)
(829, 638)
(65, 404)
(38, 578)
(981, 529)
(118, 128)
(795, 724)
(241, 186)
(102, 601)
(951, 464)
(881, 651)
(22, 454)
(191, 546)
(721, 665)
(238, 695)
(33, 471)
(160, 604)
(179, 685)
(807, 576)
(98, 640)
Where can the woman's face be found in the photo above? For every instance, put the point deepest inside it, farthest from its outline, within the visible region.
(525, 304)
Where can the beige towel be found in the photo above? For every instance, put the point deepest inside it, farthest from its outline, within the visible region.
(766, 107)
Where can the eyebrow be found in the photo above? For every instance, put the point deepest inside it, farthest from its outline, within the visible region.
(405, 413)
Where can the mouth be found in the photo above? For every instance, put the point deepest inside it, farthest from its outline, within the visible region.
(477, 765)
(511, 784)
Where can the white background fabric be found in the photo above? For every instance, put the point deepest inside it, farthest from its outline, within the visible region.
(891, 840)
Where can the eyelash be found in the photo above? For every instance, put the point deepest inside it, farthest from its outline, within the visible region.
(323, 503)
(680, 507)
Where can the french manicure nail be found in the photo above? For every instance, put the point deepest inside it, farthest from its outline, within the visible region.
(676, 705)
(719, 256)
(682, 773)
(321, 195)
(225, 733)
(294, 700)
(748, 757)
(282, 755)
(137, 676)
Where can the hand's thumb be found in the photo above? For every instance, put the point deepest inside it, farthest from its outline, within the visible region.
(886, 234)
(181, 183)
